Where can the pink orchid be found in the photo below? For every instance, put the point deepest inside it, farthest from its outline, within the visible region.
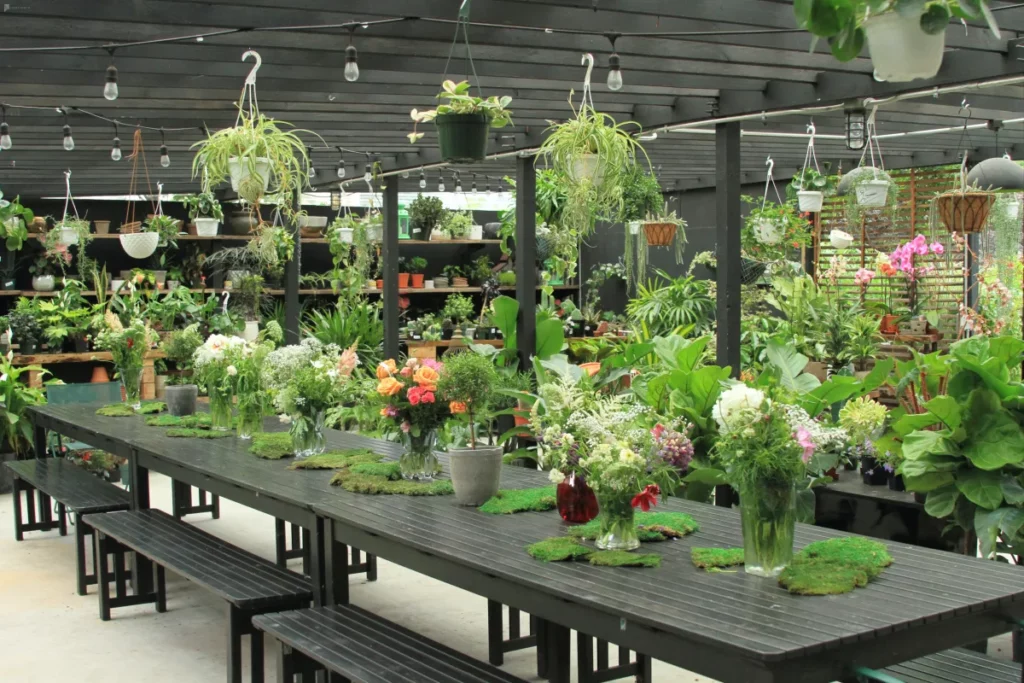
(863, 276)
(919, 245)
(937, 248)
(803, 437)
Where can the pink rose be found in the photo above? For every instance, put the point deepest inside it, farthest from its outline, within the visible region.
(405, 372)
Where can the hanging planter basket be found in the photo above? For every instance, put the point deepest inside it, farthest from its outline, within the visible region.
(873, 194)
(750, 270)
(241, 176)
(139, 245)
(966, 211)
(811, 201)
(659, 234)
(840, 239)
(900, 50)
(768, 232)
(463, 137)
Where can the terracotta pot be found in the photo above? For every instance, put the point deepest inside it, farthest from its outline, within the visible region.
(99, 375)
(591, 368)
(819, 370)
(660, 234)
(192, 229)
(380, 285)
(403, 280)
(460, 282)
(888, 324)
(416, 280)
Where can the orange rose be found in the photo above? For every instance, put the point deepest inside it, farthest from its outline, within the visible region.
(389, 386)
(457, 407)
(426, 378)
(386, 369)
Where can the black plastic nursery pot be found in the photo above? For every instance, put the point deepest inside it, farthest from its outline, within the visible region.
(872, 472)
(895, 482)
(463, 137)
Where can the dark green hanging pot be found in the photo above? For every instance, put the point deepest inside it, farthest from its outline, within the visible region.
(463, 137)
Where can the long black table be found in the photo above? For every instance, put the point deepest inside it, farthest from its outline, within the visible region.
(729, 626)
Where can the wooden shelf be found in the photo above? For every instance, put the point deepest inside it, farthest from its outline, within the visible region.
(88, 356)
(280, 292)
(461, 341)
(92, 292)
(442, 242)
(181, 237)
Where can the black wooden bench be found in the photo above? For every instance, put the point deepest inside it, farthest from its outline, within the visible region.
(249, 584)
(360, 646)
(952, 666)
(75, 490)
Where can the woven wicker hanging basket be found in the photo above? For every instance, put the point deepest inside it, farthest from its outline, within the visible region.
(659, 234)
(966, 211)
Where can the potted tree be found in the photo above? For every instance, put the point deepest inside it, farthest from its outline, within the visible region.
(416, 266)
(425, 214)
(180, 347)
(205, 211)
(463, 121)
(468, 381)
(458, 309)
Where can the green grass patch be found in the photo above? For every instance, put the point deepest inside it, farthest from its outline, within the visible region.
(372, 484)
(116, 410)
(391, 471)
(707, 558)
(196, 421)
(272, 445)
(336, 460)
(821, 578)
(151, 408)
(862, 553)
(507, 502)
(191, 433)
(623, 558)
(652, 527)
(557, 549)
(835, 566)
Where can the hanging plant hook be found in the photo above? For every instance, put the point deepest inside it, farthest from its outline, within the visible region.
(251, 78)
(588, 60)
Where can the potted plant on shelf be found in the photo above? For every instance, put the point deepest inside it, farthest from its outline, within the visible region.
(458, 309)
(441, 281)
(47, 265)
(180, 348)
(906, 40)
(456, 225)
(809, 188)
(403, 273)
(26, 330)
(456, 275)
(468, 381)
(507, 278)
(205, 211)
(482, 270)
(14, 221)
(463, 122)
(165, 227)
(73, 230)
(246, 296)
(425, 214)
(416, 266)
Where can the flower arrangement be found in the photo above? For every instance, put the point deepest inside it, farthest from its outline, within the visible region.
(215, 370)
(247, 385)
(413, 411)
(128, 346)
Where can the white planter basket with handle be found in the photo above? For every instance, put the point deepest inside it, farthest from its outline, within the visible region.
(240, 171)
(873, 194)
(810, 200)
(840, 239)
(900, 50)
(68, 237)
(768, 231)
(140, 245)
(206, 227)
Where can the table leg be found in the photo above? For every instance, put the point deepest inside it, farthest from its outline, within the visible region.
(557, 660)
(39, 441)
(317, 569)
(336, 567)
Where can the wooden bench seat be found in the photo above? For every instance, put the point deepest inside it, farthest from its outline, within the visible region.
(75, 490)
(955, 666)
(248, 583)
(362, 647)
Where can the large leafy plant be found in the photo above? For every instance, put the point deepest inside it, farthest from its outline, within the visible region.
(664, 305)
(17, 395)
(13, 220)
(458, 100)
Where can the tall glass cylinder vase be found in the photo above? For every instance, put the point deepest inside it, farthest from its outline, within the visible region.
(131, 384)
(307, 433)
(250, 417)
(576, 501)
(418, 462)
(618, 527)
(769, 518)
(220, 409)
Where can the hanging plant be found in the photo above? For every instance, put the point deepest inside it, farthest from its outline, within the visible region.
(905, 38)
(963, 210)
(771, 230)
(809, 186)
(463, 122)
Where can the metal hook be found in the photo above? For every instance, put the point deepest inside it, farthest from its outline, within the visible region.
(770, 163)
(588, 59)
(251, 78)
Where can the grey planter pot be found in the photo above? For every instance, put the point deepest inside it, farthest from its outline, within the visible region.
(181, 399)
(476, 474)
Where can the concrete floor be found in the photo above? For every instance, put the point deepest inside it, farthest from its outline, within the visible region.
(52, 635)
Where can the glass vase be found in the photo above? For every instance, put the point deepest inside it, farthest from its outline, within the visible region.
(131, 384)
(307, 432)
(220, 410)
(250, 418)
(769, 519)
(419, 463)
(576, 501)
(618, 528)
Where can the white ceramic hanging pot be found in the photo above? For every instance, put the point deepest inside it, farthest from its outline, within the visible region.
(345, 234)
(206, 227)
(634, 227)
(840, 239)
(900, 50)
(375, 233)
(240, 171)
(44, 283)
(476, 232)
(768, 231)
(251, 331)
(588, 167)
(810, 200)
(139, 245)
(873, 194)
(68, 237)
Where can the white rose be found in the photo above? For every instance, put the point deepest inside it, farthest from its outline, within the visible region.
(232, 370)
(735, 402)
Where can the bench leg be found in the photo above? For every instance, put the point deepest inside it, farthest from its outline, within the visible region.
(103, 574)
(80, 556)
(16, 497)
(161, 589)
(255, 655)
(236, 626)
(285, 662)
(497, 646)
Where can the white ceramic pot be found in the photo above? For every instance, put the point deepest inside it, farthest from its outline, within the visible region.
(207, 227)
(251, 331)
(840, 239)
(68, 237)
(371, 284)
(476, 232)
(240, 171)
(44, 283)
(139, 245)
(346, 235)
(873, 194)
(588, 167)
(428, 284)
(810, 200)
(634, 227)
(375, 233)
(116, 285)
(768, 232)
(900, 50)
(313, 222)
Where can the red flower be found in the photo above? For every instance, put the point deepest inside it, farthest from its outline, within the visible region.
(87, 456)
(131, 342)
(647, 498)
(415, 394)
(658, 431)
(427, 397)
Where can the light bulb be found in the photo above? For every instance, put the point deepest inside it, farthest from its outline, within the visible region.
(458, 187)
(340, 170)
(488, 185)
(110, 89)
(423, 183)
(165, 160)
(367, 174)
(474, 187)
(115, 151)
(614, 73)
(440, 186)
(312, 171)
(351, 65)
(405, 174)
(69, 142)
(5, 136)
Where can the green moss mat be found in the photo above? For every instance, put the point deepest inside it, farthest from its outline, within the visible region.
(190, 433)
(336, 460)
(557, 549)
(197, 421)
(520, 500)
(835, 566)
(622, 558)
(709, 558)
(116, 410)
(151, 408)
(272, 446)
(372, 484)
(391, 471)
(652, 527)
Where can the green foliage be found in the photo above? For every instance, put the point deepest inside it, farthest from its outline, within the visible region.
(458, 100)
(180, 348)
(416, 264)
(426, 213)
(272, 445)
(641, 194)
(246, 295)
(557, 549)
(336, 460)
(705, 558)
(203, 205)
(652, 527)
(835, 566)
(458, 308)
(13, 220)
(481, 269)
(771, 230)
(196, 421)
(357, 323)
(15, 396)
(116, 410)
(507, 278)
(812, 180)
(165, 226)
(192, 433)
(456, 224)
(373, 483)
(151, 408)
(622, 558)
(663, 306)
(471, 379)
(507, 502)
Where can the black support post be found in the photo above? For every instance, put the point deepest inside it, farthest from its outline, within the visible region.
(389, 256)
(727, 240)
(971, 284)
(526, 258)
(292, 272)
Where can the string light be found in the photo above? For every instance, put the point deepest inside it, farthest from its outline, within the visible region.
(423, 180)
(458, 182)
(351, 59)
(69, 142)
(440, 182)
(474, 183)
(5, 131)
(488, 184)
(115, 151)
(856, 127)
(310, 168)
(367, 171)
(614, 71)
(405, 174)
(340, 171)
(165, 159)
(110, 88)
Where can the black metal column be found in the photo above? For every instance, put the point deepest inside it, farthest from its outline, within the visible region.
(971, 269)
(727, 240)
(526, 258)
(389, 255)
(292, 272)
